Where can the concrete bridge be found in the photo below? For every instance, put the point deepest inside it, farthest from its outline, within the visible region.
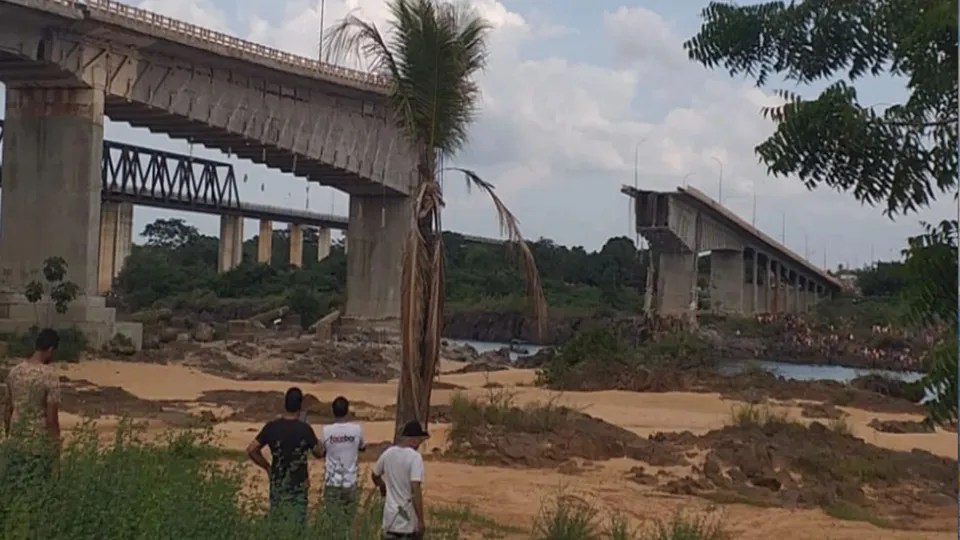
(750, 272)
(136, 175)
(66, 64)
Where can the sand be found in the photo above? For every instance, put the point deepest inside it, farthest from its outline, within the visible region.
(514, 496)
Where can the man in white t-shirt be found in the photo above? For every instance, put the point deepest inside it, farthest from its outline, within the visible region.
(341, 441)
(399, 474)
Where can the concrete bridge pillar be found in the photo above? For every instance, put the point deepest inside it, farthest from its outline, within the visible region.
(265, 242)
(296, 245)
(790, 298)
(323, 244)
(811, 294)
(231, 243)
(53, 142)
(376, 234)
(776, 288)
(116, 239)
(108, 240)
(726, 280)
(52, 149)
(675, 280)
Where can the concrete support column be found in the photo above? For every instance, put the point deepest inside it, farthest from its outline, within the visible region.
(53, 141)
(124, 243)
(323, 244)
(109, 212)
(376, 233)
(801, 296)
(811, 294)
(296, 244)
(788, 292)
(726, 281)
(265, 242)
(775, 287)
(676, 277)
(755, 264)
(231, 243)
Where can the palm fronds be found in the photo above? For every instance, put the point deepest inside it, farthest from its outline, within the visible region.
(431, 52)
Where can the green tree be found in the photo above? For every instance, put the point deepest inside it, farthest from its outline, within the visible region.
(430, 54)
(901, 157)
(882, 279)
(170, 233)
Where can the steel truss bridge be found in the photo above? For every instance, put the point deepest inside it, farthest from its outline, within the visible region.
(159, 179)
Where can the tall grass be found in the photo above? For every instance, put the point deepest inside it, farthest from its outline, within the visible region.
(569, 518)
(172, 488)
(181, 485)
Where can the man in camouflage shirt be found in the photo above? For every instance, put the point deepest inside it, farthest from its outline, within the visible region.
(32, 410)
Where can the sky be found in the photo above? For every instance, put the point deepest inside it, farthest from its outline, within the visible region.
(578, 99)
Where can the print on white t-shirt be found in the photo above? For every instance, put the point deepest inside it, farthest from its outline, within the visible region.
(341, 442)
(399, 466)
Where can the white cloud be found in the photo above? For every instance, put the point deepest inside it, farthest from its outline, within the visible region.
(558, 136)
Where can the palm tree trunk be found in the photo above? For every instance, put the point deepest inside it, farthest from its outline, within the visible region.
(419, 359)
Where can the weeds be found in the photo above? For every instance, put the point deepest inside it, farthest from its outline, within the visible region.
(497, 408)
(750, 415)
(840, 426)
(175, 487)
(569, 518)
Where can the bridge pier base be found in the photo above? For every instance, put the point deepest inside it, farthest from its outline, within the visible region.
(726, 281)
(265, 242)
(376, 234)
(675, 279)
(231, 243)
(53, 143)
(323, 244)
(296, 245)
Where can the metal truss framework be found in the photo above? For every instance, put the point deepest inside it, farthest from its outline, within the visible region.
(148, 176)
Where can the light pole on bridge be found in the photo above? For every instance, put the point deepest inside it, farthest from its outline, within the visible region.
(720, 187)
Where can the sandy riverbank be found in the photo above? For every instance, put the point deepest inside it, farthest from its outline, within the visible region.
(511, 495)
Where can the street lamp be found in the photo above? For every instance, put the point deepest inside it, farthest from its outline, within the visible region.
(636, 163)
(720, 190)
(688, 175)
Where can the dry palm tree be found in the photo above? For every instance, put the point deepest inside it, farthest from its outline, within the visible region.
(431, 52)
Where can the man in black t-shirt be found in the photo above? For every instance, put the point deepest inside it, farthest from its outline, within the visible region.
(289, 439)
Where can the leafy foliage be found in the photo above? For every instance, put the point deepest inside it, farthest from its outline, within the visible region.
(478, 277)
(931, 269)
(882, 279)
(61, 291)
(902, 157)
(73, 343)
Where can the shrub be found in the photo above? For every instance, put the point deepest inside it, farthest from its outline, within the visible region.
(602, 359)
(73, 343)
(750, 415)
(497, 409)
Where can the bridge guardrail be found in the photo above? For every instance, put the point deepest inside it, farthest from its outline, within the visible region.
(213, 37)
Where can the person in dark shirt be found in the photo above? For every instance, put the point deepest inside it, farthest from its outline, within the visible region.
(289, 439)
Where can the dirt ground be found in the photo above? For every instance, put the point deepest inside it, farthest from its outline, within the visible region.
(612, 471)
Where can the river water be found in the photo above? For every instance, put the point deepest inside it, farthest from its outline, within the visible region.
(800, 372)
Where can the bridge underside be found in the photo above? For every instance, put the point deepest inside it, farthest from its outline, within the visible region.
(335, 137)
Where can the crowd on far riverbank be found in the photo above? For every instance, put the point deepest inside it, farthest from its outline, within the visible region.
(842, 342)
